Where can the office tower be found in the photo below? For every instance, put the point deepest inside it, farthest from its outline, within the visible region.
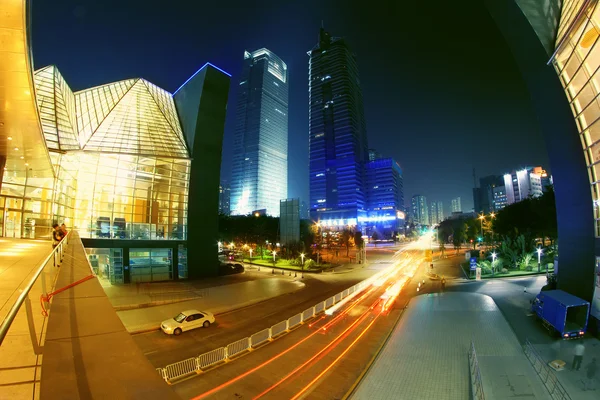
(483, 196)
(456, 207)
(337, 133)
(499, 198)
(433, 213)
(522, 184)
(440, 210)
(259, 170)
(224, 198)
(374, 155)
(420, 213)
(304, 210)
(385, 197)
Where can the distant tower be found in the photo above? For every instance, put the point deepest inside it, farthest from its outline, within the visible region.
(260, 165)
(337, 133)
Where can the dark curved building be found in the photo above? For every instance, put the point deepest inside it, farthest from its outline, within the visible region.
(557, 49)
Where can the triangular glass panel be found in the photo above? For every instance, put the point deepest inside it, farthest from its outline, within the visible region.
(137, 125)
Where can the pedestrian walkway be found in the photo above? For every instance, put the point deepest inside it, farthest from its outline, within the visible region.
(576, 383)
(19, 363)
(218, 300)
(426, 356)
(88, 354)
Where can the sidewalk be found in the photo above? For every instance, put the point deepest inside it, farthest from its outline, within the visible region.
(19, 365)
(573, 381)
(218, 300)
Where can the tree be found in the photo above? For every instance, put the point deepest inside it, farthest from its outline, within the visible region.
(346, 236)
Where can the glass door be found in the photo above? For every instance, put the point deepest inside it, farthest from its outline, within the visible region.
(12, 224)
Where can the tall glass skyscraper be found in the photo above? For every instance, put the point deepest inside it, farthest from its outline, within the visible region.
(259, 171)
(338, 136)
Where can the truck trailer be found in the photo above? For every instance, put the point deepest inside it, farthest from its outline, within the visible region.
(562, 313)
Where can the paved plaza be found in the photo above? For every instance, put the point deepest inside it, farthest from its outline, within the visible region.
(427, 353)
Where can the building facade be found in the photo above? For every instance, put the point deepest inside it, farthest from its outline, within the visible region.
(374, 155)
(522, 184)
(289, 221)
(224, 198)
(420, 213)
(500, 201)
(433, 213)
(260, 164)
(456, 207)
(440, 211)
(385, 198)
(483, 197)
(338, 147)
(122, 173)
(555, 46)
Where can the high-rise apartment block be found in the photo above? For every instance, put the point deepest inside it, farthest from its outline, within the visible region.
(440, 211)
(420, 213)
(456, 206)
(338, 147)
(259, 171)
(433, 213)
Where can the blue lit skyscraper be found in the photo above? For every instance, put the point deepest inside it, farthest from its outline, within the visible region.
(338, 138)
(259, 170)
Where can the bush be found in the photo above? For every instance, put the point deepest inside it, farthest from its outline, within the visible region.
(504, 271)
(310, 264)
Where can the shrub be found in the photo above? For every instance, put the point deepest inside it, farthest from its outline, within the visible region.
(504, 271)
(310, 264)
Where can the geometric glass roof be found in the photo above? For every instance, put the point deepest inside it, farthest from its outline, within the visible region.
(142, 120)
(56, 105)
(132, 116)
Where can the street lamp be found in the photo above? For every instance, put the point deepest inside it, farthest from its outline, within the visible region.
(539, 251)
(481, 218)
(302, 257)
(274, 253)
(493, 261)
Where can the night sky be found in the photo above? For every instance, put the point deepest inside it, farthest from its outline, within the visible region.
(441, 91)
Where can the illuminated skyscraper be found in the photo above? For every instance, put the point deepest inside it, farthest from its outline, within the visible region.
(420, 213)
(337, 133)
(259, 171)
(456, 206)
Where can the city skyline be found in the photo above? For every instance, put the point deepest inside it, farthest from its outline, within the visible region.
(394, 137)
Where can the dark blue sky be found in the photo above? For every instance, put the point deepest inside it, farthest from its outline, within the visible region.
(442, 94)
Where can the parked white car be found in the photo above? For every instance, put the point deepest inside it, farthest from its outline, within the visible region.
(187, 320)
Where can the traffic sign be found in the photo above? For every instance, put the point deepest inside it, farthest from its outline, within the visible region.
(473, 263)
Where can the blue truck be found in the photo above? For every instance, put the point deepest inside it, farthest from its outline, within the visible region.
(562, 313)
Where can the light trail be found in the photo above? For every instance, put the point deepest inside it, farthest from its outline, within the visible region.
(336, 360)
(245, 374)
(335, 341)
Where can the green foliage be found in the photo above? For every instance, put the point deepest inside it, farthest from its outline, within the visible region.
(532, 217)
(524, 263)
(310, 264)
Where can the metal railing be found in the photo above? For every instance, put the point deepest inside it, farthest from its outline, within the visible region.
(55, 259)
(476, 383)
(196, 365)
(554, 387)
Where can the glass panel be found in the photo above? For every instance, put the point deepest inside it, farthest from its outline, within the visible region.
(182, 267)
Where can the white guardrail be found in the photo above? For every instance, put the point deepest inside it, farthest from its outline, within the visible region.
(196, 365)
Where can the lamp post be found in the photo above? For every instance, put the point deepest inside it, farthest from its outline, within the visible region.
(493, 261)
(539, 251)
(302, 258)
(274, 254)
(481, 218)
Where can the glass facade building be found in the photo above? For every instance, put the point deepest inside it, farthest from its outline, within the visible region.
(259, 170)
(121, 177)
(289, 221)
(385, 197)
(338, 147)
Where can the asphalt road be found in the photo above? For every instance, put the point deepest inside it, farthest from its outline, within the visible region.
(319, 360)
(163, 349)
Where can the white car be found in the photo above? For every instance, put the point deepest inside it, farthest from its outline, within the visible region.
(187, 320)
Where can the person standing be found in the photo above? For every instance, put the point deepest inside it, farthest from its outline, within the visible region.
(591, 373)
(578, 358)
(57, 235)
(63, 230)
